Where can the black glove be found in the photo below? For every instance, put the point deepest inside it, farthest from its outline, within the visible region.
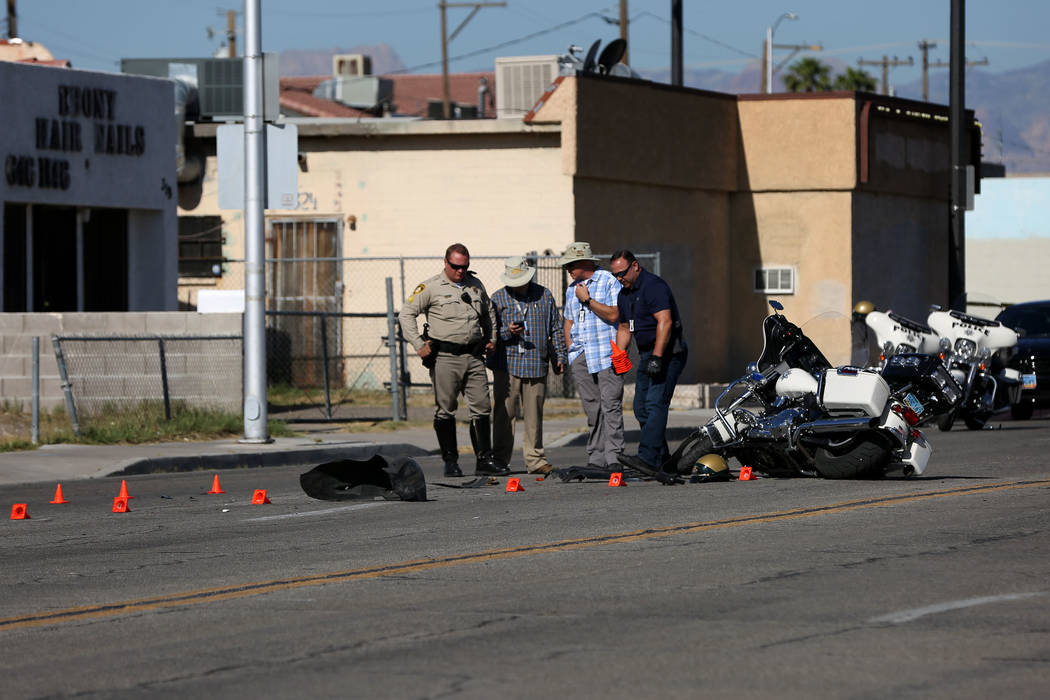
(654, 366)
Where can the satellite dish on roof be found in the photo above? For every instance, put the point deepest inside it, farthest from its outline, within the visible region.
(589, 62)
(607, 63)
(611, 55)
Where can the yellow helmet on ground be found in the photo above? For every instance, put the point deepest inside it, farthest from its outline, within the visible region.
(710, 467)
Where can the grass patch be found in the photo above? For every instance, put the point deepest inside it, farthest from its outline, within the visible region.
(144, 424)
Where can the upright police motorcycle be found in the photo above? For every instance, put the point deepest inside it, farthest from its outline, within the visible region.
(972, 348)
(794, 414)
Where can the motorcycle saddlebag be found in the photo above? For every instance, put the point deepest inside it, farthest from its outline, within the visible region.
(850, 391)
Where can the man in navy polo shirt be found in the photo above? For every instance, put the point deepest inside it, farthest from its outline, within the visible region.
(649, 314)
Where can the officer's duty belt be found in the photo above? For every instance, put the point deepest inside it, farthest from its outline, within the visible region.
(457, 348)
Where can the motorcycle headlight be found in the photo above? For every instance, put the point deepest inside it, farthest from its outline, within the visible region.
(904, 348)
(965, 349)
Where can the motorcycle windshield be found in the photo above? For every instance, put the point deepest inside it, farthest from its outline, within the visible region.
(786, 342)
(831, 332)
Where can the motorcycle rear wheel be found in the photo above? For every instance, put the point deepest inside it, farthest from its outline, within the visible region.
(863, 457)
(944, 423)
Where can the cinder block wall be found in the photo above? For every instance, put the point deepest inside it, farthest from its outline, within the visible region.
(16, 342)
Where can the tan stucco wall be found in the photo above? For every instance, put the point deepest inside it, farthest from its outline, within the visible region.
(413, 192)
(654, 134)
(808, 231)
(800, 143)
(900, 249)
(690, 230)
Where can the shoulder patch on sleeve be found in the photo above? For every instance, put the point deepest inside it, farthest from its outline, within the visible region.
(419, 288)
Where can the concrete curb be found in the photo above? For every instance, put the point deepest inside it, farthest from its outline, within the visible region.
(301, 457)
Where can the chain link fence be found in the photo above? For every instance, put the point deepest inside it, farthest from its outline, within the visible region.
(327, 323)
(152, 378)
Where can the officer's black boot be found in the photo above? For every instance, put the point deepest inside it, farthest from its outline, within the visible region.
(446, 435)
(481, 438)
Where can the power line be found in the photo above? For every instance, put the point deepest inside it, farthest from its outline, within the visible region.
(701, 36)
(496, 47)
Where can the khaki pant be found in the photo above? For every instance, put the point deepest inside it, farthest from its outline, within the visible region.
(602, 397)
(455, 374)
(507, 391)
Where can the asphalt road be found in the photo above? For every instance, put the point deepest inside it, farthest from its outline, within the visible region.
(937, 587)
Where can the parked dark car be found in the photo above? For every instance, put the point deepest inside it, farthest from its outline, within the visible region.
(1031, 320)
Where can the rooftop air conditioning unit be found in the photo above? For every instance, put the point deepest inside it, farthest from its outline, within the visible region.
(520, 82)
(219, 81)
(351, 64)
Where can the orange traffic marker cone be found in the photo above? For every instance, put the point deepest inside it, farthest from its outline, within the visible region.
(215, 486)
(514, 485)
(616, 479)
(621, 362)
(59, 498)
(20, 511)
(124, 490)
(747, 474)
(259, 497)
(120, 505)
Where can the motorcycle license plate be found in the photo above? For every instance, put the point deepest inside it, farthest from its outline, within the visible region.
(1029, 380)
(913, 403)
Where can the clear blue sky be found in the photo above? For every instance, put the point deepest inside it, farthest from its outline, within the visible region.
(96, 34)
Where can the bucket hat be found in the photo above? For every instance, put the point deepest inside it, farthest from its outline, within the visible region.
(518, 271)
(580, 250)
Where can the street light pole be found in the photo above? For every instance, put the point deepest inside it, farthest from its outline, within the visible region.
(769, 47)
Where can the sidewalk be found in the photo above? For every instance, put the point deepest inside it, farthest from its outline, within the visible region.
(320, 443)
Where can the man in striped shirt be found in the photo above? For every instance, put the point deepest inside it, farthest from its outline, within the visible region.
(591, 321)
(528, 341)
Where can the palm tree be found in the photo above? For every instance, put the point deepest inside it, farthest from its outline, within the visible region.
(854, 79)
(808, 75)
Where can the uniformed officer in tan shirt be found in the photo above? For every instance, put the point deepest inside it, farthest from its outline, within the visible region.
(459, 332)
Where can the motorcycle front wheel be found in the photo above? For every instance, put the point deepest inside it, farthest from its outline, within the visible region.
(863, 457)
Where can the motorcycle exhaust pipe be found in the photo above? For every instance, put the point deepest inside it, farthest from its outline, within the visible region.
(838, 425)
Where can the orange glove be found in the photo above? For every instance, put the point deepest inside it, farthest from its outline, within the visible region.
(621, 363)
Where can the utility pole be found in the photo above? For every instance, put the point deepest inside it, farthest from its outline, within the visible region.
(231, 32)
(623, 27)
(256, 429)
(765, 58)
(12, 20)
(676, 42)
(886, 64)
(942, 64)
(925, 47)
(446, 38)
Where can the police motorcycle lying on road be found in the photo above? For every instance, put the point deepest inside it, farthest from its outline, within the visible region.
(972, 348)
(794, 414)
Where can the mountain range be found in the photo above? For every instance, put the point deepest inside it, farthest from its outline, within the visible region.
(1012, 106)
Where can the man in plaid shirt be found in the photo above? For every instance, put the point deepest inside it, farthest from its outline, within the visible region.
(528, 338)
(591, 320)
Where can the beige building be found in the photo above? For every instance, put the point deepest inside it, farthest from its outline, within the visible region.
(818, 200)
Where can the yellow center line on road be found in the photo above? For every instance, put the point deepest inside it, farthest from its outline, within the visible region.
(208, 595)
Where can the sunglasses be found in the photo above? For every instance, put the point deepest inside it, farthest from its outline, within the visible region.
(457, 267)
(620, 275)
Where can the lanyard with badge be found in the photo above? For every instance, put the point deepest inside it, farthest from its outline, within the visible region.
(524, 326)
